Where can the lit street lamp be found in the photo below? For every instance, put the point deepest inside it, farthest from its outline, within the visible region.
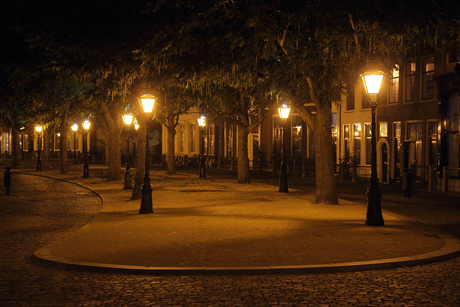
(372, 82)
(202, 124)
(147, 103)
(75, 129)
(127, 119)
(86, 124)
(284, 115)
(39, 128)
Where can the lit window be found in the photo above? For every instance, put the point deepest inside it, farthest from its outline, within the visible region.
(383, 129)
(368, 134)
(394, 85)
(346, 140)
(357, 143)
(192, 137)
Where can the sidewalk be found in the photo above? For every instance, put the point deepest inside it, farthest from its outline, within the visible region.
(214, 225)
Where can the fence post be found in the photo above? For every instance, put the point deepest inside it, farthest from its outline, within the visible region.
(444, 179)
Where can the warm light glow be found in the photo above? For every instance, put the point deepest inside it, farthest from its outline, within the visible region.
(372, 82)
(383, 129)
(127, 119)
(38, 128)
(202, 121)
(74, 127)
(86, 124)
(284, 111)
(136, 126)
(147, 102)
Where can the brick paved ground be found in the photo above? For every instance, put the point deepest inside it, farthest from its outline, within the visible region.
(30, 223)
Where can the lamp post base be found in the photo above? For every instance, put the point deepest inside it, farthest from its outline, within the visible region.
(146, 202)
(374, 208)
(202, 167)
(128, 180)
(86, 170)
(283, 184)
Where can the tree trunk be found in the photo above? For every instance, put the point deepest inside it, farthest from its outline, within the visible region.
(326, 187)
(63, 128)
(63, 145)
(16, 152)
(15, 142)
(114, 163)
(107, 145)
(170, 151)
(46, 145)
(140, 164)
(243, 161)
(112, 121)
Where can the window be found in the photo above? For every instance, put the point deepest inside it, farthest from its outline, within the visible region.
(229, 135)
(383, 129)
(414, 131)
(394, 85)
(397, 147)
(368, 134)
(432, 142)
(357, 140)
(428, 86)
(192, 137)
(334, 133)
(296, 135)
(5, 140)
(57, 141)
(277, 134)
(24, 142)
(346, 138)
(350, 98)
(212, 133)
(411, 80)
(334, 123)
(181, 137)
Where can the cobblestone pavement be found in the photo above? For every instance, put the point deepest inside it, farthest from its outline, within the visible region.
(30, 222)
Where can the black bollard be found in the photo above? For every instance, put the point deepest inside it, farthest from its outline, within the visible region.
(7, 180)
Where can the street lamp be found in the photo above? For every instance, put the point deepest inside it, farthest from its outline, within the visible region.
(202, 123)
(284, 115)
(39, 128)
(147, 103)
(127, 119)
(75, 129)
(372, 82)
(86, 124)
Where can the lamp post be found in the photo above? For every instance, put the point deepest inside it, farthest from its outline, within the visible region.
(136, 127)
(127, 119)
(202, 124)
(39, 128)
(86, 124)
(284, 115)
(372, 82)
(147, 103)
(75, 129)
